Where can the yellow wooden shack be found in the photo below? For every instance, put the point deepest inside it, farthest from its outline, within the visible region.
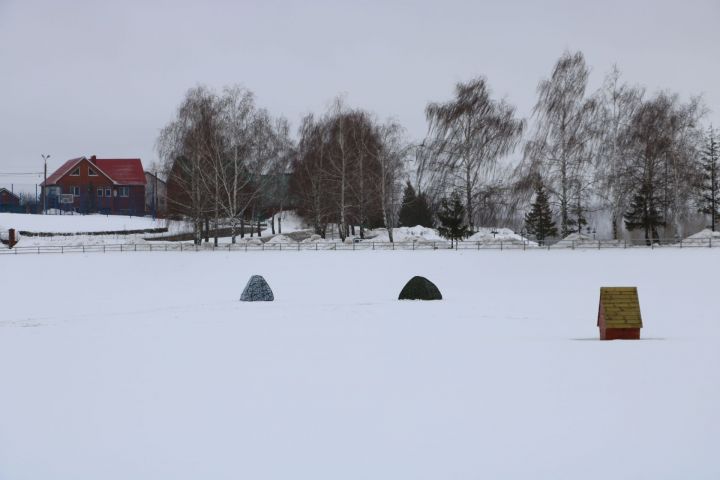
(619, 314)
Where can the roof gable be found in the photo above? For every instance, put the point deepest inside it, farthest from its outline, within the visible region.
(62, 171)
(5, 190)
(120, 171)
(621, 307)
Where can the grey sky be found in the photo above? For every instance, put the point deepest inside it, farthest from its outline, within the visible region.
(83, 78)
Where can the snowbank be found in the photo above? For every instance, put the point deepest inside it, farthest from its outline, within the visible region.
(283, 239)
(486, 236)
(417, 233)
(703, 238)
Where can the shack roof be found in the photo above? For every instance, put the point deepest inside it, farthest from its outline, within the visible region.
(621, 307)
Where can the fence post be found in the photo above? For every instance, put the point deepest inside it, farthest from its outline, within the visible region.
(501, 245)
(62, 249)
(181, 246)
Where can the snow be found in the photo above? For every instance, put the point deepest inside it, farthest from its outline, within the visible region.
(153, 368)
(77, 223)
(417, 233)
(703, 237)
(505, 235)
(280, 239)
(291, 222)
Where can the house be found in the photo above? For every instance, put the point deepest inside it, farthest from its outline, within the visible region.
(619, 314)
(87, 185)
(155, 195)
(8, 200)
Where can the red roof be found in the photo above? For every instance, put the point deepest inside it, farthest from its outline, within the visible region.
(122, 171)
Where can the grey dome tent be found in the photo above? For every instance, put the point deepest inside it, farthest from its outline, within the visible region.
(420, 288)
(257, 290)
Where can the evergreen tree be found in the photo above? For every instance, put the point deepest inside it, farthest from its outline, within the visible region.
(407, 217)
(452, 218)
(645, 213)
(539, 220)
(415, 209)
(710, 185)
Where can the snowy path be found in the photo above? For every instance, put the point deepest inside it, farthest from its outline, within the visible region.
(146, 366)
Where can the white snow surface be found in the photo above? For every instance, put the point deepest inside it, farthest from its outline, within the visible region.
(77, 223)
(284, 239)
(417, 233)
(154, 369)
(703, 237)
(486, 236)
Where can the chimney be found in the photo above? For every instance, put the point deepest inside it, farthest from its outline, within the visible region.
(92, 159)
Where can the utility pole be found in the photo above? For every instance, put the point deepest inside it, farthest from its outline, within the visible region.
(44, 189)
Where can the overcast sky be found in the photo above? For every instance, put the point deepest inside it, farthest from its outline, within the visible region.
(83, 78)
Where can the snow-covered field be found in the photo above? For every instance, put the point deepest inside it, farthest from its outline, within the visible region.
(146, 366)
(76, 223)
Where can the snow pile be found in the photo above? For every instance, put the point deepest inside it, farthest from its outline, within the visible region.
(575, 240)
(314, 238)
(283, 239)
(417, 233)
(494, 236)
(703, 238)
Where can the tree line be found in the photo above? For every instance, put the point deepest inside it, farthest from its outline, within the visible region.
(637, 160)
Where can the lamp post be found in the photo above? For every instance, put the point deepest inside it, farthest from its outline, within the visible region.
(44, 190)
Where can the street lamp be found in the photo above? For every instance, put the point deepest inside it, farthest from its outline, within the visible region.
(44, 190)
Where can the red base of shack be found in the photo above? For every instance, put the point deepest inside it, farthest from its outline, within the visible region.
(619, 334)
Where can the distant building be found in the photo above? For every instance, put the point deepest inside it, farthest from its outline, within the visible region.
(155, 195)
(8, 200)
(88, 185)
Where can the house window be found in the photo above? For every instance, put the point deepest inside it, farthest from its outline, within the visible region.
(124, 191)
(108, 192)
(75, 191)
(92, 172)
(75, 173)
(99, 192)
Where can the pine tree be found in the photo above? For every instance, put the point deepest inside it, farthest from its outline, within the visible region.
(408, 217)
(415, 209)
(710, 185)
(452, 218)
(645, 214)
(539, 220)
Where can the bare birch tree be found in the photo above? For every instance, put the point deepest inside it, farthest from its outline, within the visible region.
(561, 145)
(468, 136)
